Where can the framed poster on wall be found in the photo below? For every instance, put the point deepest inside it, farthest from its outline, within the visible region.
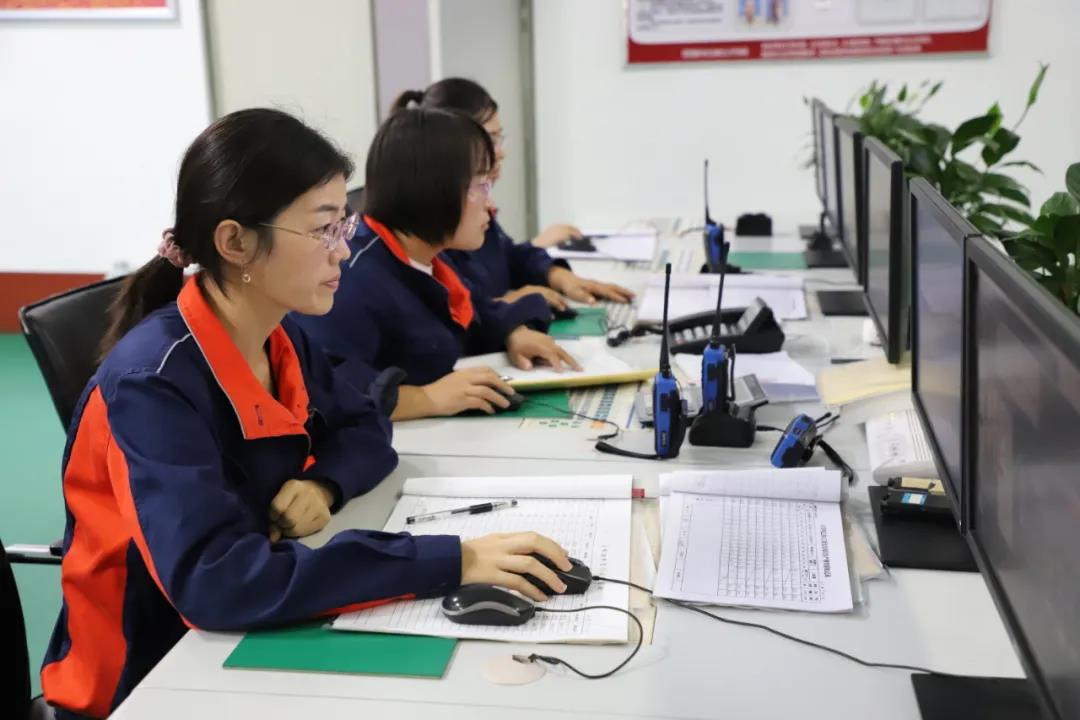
(728, 30)
(87, 9)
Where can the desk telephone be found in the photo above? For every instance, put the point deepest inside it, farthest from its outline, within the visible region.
(749, 330)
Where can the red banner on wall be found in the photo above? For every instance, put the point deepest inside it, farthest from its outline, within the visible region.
(733, 30)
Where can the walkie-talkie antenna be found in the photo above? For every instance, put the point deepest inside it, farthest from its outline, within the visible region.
(714, 336)
(708, 217)
(665, 361)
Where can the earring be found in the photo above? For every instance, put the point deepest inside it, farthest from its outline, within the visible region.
(245, 276)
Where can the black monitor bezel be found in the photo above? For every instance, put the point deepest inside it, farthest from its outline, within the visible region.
(816, 107)
(923, 192)
(849, 126)
(1054, 321)
(893, 335)
(828, 123)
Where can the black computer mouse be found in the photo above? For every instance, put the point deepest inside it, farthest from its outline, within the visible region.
(564, 314)
(577, 578)
(516, 401)
(480, 604)
(579, 244)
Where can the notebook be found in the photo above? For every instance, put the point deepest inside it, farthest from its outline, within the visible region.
(599, 367)
(589, 515)
(763, 538)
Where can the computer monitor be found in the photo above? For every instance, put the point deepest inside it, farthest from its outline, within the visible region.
(829, 174)
(819, 166)
(887, 278)
(938, 232)
(849, 193)
(849, 145)
(1023, 365)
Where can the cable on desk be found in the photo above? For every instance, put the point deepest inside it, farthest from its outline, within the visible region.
(605, 436)
(551, 660)
(774, 631)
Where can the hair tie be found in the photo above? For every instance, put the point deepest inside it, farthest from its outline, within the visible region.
(172, 252)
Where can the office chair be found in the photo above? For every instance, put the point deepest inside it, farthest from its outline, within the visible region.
(64, 332)
(15, 681)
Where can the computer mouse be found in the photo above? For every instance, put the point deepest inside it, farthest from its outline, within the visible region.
(516, 401)
(480, 604)
(564, 314)
(578, 244)
(577, 578)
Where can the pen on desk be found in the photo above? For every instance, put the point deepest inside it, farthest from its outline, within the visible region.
(470, 510)
(845, 361)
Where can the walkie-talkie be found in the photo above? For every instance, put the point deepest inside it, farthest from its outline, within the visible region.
(714, 362)
(669, 424)
(714, 234)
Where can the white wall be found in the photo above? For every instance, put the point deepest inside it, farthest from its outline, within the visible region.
(402, 54)
(481, 41)
(617, 143)
(94, 117)
(313, 59)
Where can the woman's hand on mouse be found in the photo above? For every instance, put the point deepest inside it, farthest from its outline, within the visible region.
(479, 388)
(524, 347)
(503, 559)
(551, 297)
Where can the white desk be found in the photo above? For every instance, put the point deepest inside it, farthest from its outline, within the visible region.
(695, 668)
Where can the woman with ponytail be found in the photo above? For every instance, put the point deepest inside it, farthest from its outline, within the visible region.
(213, 434)
(501, 267)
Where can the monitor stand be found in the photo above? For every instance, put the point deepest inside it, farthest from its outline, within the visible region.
(945, 697)
(827, 257)
(842, 302)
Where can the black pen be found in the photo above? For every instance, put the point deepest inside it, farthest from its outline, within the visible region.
(470, 510)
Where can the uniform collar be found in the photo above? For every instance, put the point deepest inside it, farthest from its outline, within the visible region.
(261, 415)
(460, 299)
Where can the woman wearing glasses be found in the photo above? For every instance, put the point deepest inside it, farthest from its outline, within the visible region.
(401, 303)
(213, 433)
(505, 269)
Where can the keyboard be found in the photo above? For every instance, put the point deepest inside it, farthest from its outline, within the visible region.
(702, 332)
(619, 314)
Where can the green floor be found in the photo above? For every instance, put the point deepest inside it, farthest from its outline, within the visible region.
(31, 502)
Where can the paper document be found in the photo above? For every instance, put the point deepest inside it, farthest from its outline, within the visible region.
(782, 379)
(599, 367)
(759, 538)
(628, 246)
(855, 381)
(898, 447)
(602, 402)
(692, 294)
(587, 515)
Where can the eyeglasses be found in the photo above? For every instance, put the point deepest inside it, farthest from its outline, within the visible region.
(333, 235)
(480, 190)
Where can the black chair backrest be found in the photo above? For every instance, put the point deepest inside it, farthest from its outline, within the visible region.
(15, 681)
(64, 332)
(355, 198)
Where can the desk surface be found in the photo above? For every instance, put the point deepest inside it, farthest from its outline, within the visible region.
(695, 668)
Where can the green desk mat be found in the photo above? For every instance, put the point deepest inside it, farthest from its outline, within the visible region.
(314, 647)
(590, 321)
(768, 260)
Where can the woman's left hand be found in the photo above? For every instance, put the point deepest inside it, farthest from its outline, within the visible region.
(301, 508)
(584, 290)
(525, 347)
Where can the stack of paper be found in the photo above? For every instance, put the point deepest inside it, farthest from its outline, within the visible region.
(599, 367)
(588, 515)
(782, 379)
(759, 538)
(866, 389)
(692, 294)
(628, 246)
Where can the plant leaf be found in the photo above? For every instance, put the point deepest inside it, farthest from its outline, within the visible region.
(972, 129)
(1033, 93)
(987, 225)
(1007, 211)
(1072, 180)
(1066, 237)
(1022, 163)
(1003, 142)
(1060, 204)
